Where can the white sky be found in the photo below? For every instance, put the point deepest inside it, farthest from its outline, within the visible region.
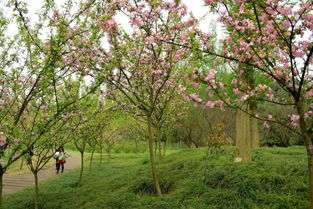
(195, 6)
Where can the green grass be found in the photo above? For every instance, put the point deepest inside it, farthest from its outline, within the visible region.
(122, 146)
(275, 179)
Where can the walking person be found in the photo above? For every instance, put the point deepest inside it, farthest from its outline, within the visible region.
(61, 160)
(55, 156)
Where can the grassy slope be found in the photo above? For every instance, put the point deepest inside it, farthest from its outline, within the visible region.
(275, 179)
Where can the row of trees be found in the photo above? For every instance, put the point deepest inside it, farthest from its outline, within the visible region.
(51, 67)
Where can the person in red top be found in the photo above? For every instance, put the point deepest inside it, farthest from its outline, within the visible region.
(61, 160)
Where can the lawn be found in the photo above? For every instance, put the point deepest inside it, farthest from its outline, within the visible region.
(276, 178)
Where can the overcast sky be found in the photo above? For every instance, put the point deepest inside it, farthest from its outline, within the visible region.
(195, 6)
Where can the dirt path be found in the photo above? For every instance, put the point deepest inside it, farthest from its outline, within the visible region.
(13, 184)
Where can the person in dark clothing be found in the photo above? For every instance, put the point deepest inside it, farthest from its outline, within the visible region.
(61, 160)
(55, 156)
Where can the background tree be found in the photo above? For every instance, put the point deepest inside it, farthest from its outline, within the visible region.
(144, 63)
(272, 37)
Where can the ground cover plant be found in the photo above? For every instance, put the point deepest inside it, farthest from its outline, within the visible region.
(275, 178)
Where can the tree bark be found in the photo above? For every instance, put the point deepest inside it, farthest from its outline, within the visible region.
(91, 158)
(22, 162)
(1, 185)
(136, 144)
(247, 152)
(152, 162)
(159, 144)
(243, 136)
(310, 170)
(101, 153)
(309, 147)
(36, 190)
(81, 169)
(109, 153)
(255, 137)
(164, 148)
(160, 151)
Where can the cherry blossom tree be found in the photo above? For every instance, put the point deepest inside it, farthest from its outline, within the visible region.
(144, 63)
(272, 38)
(36, 64)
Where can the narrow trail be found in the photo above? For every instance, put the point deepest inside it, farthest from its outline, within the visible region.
(15, 183)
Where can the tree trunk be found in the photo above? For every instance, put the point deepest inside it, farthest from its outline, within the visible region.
(160, 151)
(81, 169)
(152, 163)
(164, 148)
(22, 162)
(155, 148)
(255, 137)
(109, 153)
(1, 185)
(91, 157)
(36, 190)
(243, 138)
(239, 135)
(136, 144)
(159, 143)
(247, 152)
(101, 154)
(310, 170)
(308, 137)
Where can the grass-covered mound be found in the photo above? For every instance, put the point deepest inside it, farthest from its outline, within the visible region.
(277, 178)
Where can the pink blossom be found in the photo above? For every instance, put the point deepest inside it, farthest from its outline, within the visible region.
(308, 18)
(137, 21)
(270, 96)
(294, 117)
(270, 1)
(220, 104)
(308, 114)
(266, 125)
(157, 72)
(208, 1)
(3, 141)
(179, 25)
(16, 141)
(186, 98)
(210, 94)
(269, 10)
(180, 51)
(222, 85)
(111, 22)
(150, 40)
(99, 21)
(270, 28)
(211, 75)
(278, 74)
(270, 117)
(285, 24)
(196, 97)
(122, 3)
(285, 11)
(234, 81)
(181, 89)
(210, 104)
(236, 91)
(309, 93)
(244, 97)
